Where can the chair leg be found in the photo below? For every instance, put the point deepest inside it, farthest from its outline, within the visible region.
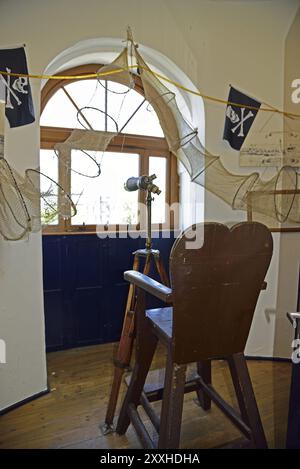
(246, 398)
(204, 370)
(172, 404)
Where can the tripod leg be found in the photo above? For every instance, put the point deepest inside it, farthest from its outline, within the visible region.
(131, 292)
(147, 265)
(125, 346)
(124, 353)
(121, 363)
(161, 271)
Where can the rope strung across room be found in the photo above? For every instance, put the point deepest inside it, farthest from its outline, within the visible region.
(277, 199)
(158, 75)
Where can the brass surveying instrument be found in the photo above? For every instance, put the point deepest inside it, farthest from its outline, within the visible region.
(149, 255)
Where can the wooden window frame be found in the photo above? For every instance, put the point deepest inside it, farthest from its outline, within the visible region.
(144, 146)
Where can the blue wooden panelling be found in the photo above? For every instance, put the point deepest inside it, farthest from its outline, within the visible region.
(84, 290)
(54, 319)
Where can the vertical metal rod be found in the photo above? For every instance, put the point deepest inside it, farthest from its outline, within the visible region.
(105, 106)
(149, 234)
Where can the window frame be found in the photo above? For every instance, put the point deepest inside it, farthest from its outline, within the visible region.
(144, 146)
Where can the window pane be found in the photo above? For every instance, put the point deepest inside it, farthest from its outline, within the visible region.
(158, 166)
(91, 95)
(60, 112)
(121, 108)
(103, 200)
(48, 167)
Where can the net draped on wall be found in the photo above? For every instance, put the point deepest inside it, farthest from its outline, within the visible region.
(276, 200)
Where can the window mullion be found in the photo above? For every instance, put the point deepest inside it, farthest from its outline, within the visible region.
(64, 176)
(144, 170)
(105, 106)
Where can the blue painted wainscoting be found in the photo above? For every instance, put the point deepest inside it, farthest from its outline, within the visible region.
(84, 291)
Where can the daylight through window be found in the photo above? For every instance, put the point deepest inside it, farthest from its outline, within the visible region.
(137, 148)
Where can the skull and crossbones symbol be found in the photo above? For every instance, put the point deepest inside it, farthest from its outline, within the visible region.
(17, 86)
(235, 119)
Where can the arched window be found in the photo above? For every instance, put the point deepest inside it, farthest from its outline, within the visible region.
(139, 148)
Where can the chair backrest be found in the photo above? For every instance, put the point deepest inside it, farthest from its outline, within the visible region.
(216, 288)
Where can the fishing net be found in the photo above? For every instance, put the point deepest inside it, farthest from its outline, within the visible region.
(277, 201)
(54, 199)
(15, 219)
(88, 145)
(27, 202)
(24, 199)
(111, 72)
(93, 140)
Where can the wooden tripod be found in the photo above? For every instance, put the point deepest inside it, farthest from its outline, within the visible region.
(123, 357)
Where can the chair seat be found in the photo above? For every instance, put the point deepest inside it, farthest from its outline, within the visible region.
(162, 320)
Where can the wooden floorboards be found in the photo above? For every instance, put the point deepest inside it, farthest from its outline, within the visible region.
(80, 379)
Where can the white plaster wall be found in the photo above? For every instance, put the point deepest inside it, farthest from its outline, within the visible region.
(214, 42)
(21, 305)
(289, 254)
(243, 44)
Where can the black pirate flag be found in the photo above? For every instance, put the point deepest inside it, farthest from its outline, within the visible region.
(238, 118)
(16, 90)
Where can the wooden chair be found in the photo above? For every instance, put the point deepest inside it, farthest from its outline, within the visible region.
(214, 291)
